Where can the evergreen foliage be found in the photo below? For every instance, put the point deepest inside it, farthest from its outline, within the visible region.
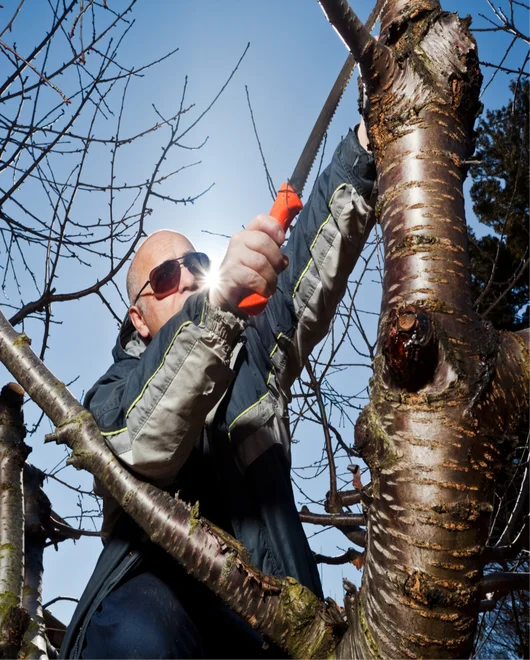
(500, 279)
(500, 193)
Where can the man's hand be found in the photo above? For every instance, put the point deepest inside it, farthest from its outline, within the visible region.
(252, 263)
(362, 135)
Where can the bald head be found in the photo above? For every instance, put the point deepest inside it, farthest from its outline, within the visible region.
(148, 252)
(149, 313)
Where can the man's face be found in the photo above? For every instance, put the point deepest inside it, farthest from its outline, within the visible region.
(149, 315)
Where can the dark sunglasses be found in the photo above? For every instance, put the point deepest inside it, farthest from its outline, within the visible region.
(165, 278)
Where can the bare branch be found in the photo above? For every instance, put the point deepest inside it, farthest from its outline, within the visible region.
(332, 519)
(41, 76)
(502, 583)
(347, 558)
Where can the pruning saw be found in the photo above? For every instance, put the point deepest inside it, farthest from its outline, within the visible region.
(288, 204)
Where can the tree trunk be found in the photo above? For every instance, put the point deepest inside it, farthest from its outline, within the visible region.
(447, 388)
(37, 511)
(13, 452)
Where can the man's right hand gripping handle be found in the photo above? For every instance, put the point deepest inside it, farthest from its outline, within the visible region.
(286, 207)
(252, 263)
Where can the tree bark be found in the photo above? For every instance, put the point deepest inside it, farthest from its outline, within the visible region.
(37, 511)
(13, 452)
(447, 388)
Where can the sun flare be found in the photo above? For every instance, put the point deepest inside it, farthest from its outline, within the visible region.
(211, 278)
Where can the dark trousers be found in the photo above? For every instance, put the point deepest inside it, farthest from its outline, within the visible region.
(160, 612)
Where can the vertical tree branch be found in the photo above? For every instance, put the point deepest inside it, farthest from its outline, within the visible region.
(441, 377)
(333, 504)
(13, 452)
(37, 512)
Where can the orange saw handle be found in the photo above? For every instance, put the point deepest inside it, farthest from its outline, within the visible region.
(286, 207)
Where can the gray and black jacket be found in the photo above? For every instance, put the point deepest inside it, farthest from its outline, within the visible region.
(202, 409)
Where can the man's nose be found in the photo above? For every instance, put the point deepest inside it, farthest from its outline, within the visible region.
(188, 281)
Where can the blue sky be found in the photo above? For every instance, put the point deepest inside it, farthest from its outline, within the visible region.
(293, 59)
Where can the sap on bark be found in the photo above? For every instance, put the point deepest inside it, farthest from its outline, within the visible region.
(410, 347)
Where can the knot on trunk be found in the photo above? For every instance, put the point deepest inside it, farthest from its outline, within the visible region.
(467, 510)
(435, 592)
(410, 347)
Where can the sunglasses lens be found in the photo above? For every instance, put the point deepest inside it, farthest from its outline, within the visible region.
(165, 278)
(197, 263)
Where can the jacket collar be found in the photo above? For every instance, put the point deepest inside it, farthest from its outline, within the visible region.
(129, 343)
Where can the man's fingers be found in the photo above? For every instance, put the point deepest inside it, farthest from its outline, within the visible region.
(252, 263)
(244, 280)
(259, 268)
(258, 282)
(260, 250)
(268, 225)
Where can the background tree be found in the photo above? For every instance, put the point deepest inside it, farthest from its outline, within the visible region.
(500, 274)
(500, 200)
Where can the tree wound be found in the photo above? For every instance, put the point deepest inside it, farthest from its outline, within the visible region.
(410, 347)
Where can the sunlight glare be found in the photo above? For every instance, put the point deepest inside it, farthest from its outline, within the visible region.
(211, 278)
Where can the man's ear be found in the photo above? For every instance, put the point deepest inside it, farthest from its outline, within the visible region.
(137, 318)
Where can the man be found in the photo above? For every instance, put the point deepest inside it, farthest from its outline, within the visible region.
(196, 402)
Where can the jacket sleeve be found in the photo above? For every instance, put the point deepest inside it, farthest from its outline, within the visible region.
(323, 248)
(151, 409)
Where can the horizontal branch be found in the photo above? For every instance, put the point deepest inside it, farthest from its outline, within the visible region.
(61, 530)
(487, 605)
(347, 523)
(58, 599)
(503, 582)
(332, 519)
(346, 558)
(517, 72)
(350, 497)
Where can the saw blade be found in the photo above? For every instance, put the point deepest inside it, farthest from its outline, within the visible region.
(307, 158)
